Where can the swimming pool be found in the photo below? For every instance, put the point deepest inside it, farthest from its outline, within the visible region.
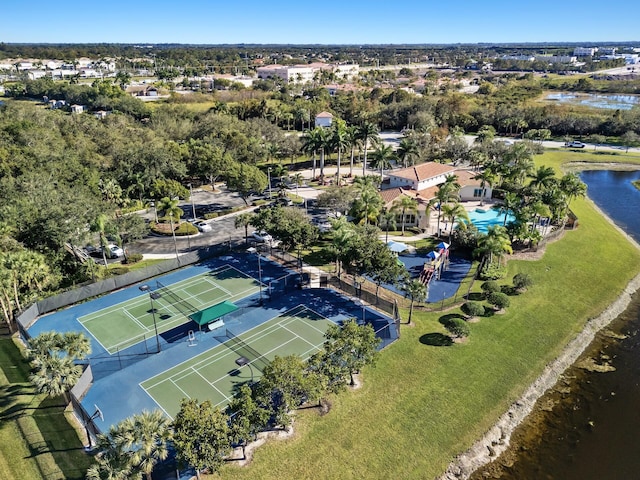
(483, 218)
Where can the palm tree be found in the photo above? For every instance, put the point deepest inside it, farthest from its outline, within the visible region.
(311, 141)
(407, 151)
(366, 208)
(100, 226)
(453, 212)
(542, 179)
(114, 462)
(298, 179)
(342, 234)
(151, 432)
(405, 204)
(495, 243)
(388, 219)
(382, 157)
(244, 220)
(366, 132)
(170, 209)
(572, 187)
(353, 140)
(447, 192)
(55, 375)
(510, 204)
(417, 292)
(339, 142)
(486, 177)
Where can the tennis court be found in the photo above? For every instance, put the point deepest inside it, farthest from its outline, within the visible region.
(125, 324)
(213, 374)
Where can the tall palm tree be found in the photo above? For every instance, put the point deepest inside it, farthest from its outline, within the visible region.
(366, 132)
(170, 209)
(339, 142)
(405, 204)
(572, 187)
(407, 151)
(388, 219)
(114, 460)
(353, 140)
(55, 375)
(311, 141)
(417, 292)
(510, 204)
(100, 226)
(542, 178)
(486, 177)
(447, 192)
(453, 212)
(342, 235)
(382, 156)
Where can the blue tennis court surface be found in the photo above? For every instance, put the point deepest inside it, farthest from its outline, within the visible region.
(276, 318)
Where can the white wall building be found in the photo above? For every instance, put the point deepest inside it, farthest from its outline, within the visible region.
(290, 74)
(324, 119)
(585, 51)
(556, 58)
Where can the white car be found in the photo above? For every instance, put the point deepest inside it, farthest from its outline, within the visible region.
(114, 251)
(574, 144)
(262, 237)
(202, 226)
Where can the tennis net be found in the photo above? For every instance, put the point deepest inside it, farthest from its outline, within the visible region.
(241, 348)
(180, 303)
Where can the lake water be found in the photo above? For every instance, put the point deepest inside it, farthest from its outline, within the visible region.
(591, 432)
(606, 101)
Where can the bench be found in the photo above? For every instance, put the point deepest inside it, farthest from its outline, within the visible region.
(217, 324)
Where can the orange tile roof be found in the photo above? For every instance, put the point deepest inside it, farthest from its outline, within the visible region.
(324, 115)
(424, 171)
(465, 178)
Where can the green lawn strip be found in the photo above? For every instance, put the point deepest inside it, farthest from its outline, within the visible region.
(36, 439)
(424, 404)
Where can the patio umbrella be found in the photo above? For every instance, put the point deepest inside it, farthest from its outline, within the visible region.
(397, 247)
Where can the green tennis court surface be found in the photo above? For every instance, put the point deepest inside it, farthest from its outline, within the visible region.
(213, 374)
(127, 323)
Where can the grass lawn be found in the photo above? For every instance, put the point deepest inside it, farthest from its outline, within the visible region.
(423, 403)
(36, 439)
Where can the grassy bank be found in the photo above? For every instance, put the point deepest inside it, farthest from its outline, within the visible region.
(423, 403)
(36, 439)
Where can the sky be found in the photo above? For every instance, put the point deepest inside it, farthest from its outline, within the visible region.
(319, 21)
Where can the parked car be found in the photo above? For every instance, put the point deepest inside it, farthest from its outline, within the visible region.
(574, 144)
(114, 251)
(203, 226)
(261, 237)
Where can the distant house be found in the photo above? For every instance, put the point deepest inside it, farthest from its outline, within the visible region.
(324, 119)
(420, 176)
(101, 114)
(55, 104)
(78, 108)
(142, 91)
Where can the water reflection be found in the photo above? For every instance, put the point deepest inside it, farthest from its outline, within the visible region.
(590, 429)
(607, 101)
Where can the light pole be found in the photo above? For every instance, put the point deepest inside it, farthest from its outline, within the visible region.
(193, 207)
(242, 361)
(269, 180)
(255, 250)
(358, 301)
(153, 296)
(96, 414)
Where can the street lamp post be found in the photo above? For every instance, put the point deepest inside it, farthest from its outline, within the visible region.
(269, 180)
(153, 296)
(242, 361)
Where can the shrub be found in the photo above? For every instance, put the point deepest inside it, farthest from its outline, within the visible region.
(493, 271)
(457, 327)
(132, 258)
(473, 309)
(113, 271)
(499, 300)
(186, 229)
(522, 281)
(490, 286)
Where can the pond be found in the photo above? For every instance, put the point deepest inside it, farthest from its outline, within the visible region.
(600, 100)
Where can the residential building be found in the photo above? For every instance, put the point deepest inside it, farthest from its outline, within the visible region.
(324, 119)
(585, 51)
(290, 74)
(556, 58)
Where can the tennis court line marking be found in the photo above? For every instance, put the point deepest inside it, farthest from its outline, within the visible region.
(298, 336)
(208, 360)
(135, 320)
(216, 285)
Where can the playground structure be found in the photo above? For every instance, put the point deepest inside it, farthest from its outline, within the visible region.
(437, 261)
